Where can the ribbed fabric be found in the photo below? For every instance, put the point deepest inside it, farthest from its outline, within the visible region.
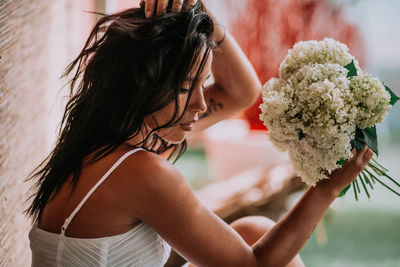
(140, 246)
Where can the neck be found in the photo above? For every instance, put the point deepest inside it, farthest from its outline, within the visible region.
(144, 138)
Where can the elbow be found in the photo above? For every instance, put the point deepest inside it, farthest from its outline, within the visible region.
(252, 93)
(256, 92)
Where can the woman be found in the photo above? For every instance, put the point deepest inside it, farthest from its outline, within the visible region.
(105, 196)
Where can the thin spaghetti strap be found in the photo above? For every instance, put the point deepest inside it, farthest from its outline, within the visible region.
(116, 164)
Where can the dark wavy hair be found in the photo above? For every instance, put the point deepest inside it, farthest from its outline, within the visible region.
(130, 67)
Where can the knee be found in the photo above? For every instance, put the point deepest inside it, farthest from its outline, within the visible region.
(251, 228)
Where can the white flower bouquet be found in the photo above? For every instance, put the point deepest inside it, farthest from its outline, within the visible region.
(322, 106)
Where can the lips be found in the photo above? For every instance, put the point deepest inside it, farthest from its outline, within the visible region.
(187, 126)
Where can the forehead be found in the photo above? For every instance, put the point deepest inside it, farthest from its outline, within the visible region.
(206, 67)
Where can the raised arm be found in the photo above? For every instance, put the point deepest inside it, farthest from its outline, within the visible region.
(291, 233)
(161, 197)
(236, 85)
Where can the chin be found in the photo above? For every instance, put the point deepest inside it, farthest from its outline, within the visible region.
(174, 137)
(175, 140)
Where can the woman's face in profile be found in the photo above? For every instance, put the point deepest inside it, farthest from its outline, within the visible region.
(177, 133)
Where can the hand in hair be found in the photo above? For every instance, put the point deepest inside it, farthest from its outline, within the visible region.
(159, 7)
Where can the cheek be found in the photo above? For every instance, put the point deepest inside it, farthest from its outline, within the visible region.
(164, 115)
(182, 103)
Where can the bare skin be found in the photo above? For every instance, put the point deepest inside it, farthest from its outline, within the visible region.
(146, 187)
(252, 228)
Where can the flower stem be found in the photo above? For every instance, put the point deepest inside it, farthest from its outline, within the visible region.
(367, 180)
(383, 183)
(355, 191)
(358, 187)
(377, 163)
(383, 174)
(365, 188)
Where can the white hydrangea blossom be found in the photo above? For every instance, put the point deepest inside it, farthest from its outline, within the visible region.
(371, 97)
(313, 109)
(309, 52)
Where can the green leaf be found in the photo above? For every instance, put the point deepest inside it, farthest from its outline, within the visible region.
(341, 162)
(343, 192)
(365, 188)
(382, 172)
(364, 174)
(355, 191)
(358, 187)
(352, 69)
(382, 183)
(393, 97)
(358, 141)
(371, 138)
(379, 165)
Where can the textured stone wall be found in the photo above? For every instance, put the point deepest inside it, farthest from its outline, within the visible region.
(37, 39)
(22, 85)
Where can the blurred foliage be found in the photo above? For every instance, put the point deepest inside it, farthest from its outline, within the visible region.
(357, 238)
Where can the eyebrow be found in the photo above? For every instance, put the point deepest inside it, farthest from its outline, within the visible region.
(190, 79)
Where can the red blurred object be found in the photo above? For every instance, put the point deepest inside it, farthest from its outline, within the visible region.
(266, 29)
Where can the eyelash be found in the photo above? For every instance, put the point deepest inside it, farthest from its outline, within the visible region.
(186, 90)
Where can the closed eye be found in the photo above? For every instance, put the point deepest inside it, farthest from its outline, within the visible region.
(184, 90)
(187, 90)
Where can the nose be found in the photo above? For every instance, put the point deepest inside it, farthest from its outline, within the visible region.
(197, 102)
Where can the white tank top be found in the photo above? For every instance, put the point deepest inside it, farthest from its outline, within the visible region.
(140, 246)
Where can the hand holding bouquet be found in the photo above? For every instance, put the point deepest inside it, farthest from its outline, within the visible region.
(322, 106)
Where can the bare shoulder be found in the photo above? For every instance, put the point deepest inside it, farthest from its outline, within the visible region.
(149, 179)
(161, 197)
(146, 168)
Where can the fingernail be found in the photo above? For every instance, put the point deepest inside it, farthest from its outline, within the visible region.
(148, 14)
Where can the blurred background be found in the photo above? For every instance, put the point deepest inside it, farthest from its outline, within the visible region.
(232, 166)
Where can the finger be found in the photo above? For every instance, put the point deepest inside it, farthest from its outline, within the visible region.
(355, 158)
(161, 7)
(360, 153)
(149, 8)
(361, 157)
(367, 155)
(191, 4)
(363, 151)
(177, 5)
(348, 160)
(142, 3)
(354, 152)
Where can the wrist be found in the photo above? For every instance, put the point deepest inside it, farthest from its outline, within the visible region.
(219, 33)
(218, 39)
(328, 187)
